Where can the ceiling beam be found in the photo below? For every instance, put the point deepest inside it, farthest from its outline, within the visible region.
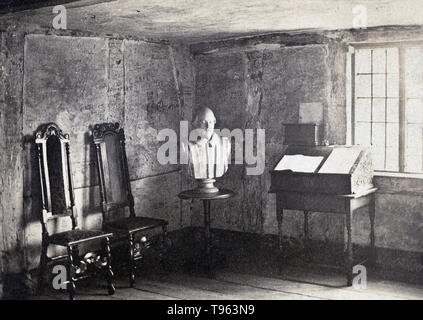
(8, 6)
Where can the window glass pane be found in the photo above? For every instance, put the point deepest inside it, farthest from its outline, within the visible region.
(378, 134)
(413, 85)
(363, 86)
(414, 108)
(392, 135)
(379, 85)
(414, 72)
(378, 157)
(362, 133)
(379, 61)
(362, 61)
(363, 109)
(393, 61)
(413, 161)
(392, 85)
(392, 159)
(393, 110)
(379, 110)
(392, 146)
(414, 139)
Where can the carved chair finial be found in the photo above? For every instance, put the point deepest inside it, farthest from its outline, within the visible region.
(101, 129)
(50, 129)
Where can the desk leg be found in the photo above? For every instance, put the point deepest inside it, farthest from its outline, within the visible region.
(279, 217)
(372, 258)
(206, 204)
(349, 250)
(307, 248)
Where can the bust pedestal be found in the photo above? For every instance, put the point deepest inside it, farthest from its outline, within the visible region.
(206, 186)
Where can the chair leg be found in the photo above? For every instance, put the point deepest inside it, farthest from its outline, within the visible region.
(131, 260)
(109, 271)
(164, 251)
(42, 268)
(71, 285)
(75, 254)
(164, 236)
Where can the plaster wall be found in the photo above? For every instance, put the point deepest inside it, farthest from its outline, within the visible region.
(76, 82)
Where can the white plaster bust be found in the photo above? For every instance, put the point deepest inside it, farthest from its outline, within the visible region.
(209, 155)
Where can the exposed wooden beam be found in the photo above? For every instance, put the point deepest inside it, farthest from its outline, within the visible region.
(21, 5)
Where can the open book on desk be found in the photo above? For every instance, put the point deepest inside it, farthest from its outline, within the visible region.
(299, 163)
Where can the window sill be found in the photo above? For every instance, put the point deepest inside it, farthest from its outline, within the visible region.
(399, 183)
(398, 174)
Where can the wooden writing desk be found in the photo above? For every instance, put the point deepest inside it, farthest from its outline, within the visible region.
(336, 204)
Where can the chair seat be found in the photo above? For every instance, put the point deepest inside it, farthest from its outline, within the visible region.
(77, 236)
(133, 224)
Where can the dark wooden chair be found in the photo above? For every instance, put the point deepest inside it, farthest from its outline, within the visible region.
(57, 199)
(115, 193)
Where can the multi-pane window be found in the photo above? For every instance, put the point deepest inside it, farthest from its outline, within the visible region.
(413, 94)
(388, 105)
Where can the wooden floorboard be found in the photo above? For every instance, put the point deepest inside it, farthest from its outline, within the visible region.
(227, 285)
(221, 289)
(238, 283)
(304, 289)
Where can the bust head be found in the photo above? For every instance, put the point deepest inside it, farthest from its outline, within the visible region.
(205, 120)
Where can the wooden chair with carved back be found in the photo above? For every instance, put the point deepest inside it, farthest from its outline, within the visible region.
(57, 202)
(115, 193)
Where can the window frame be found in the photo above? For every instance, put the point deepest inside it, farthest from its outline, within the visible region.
(401, 46)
